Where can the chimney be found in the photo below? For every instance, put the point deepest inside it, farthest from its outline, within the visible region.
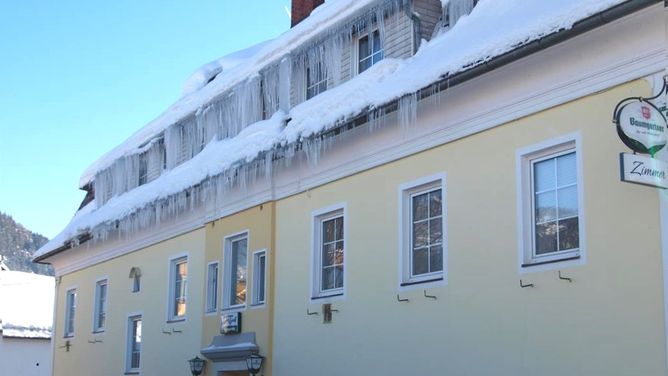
(302, 9)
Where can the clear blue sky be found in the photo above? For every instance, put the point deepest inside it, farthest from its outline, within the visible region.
(78, 77)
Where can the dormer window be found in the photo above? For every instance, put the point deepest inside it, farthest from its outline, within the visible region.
(316, 81)
(370, 50)
(143, 168)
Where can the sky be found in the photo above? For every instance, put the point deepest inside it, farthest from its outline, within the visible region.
(78, 77)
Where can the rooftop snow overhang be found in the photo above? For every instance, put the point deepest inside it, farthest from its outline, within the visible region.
(472, 71)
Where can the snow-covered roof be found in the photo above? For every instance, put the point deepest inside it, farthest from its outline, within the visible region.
(26, 304)
(243, 65)
(493, 28)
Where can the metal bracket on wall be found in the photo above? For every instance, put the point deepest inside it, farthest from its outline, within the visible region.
(402, 300)
(66, 346)
(429, 296)
(522, 285)
(95, 340)
(166, 331)
(308, 312)
(570, 280)
(327, 312)
(177, 331)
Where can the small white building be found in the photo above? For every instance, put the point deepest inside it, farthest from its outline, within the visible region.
(26, 319)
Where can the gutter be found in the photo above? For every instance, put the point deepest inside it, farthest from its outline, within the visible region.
(579, 28)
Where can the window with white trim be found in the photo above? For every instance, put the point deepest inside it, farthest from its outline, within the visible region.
(551, 191)
(423, 232)
(133, 347)
(236, 271)
(329, 252)
(178, 289)
(100, 311)
(212, 287)
(369, 50)
(70, 311)
(316, 80)
(259, 277)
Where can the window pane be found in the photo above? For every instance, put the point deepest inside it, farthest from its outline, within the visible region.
(435, 203)
(338, 232)
(569, 237)
(364, 65)
(377, 57)
(546, 209)
(420, 261)
(546, 238)
(420, 207)
(328, 278)
(376, 41)
(339, 253)
(328, 231)
(420, 234)
(339, 276)
(566, 169)
(364, 48)
(436, 258)
(544, 175)
(568, 202)
(261, 279)
(240, 271)
(435, 231)
(180, 288)
(329, 254)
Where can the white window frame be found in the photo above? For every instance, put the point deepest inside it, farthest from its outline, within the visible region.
(227, 270)
(70, 312)
(525, 159)
(129, 342)
(255, 292)
(317, 218)
(315, 85)
(97, 326)
(356, 48)
(406, 192)
(171, 282)
(211, 301)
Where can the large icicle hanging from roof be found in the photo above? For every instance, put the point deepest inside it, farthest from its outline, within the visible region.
(457, 9)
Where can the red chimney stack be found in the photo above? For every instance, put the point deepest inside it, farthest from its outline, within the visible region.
(302, 9)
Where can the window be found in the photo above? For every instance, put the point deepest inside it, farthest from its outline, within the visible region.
(422, 233)
(178, 288)
(135, 275)
(316, 80)
(212, 287)
(133, 348)
(100, 311)
(370, 51)
(328, 252)
(236, 270)
(550, 194)
(259, 277)
(143, 168)
(70, 310)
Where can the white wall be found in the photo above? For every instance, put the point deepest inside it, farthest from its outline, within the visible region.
(25, 357)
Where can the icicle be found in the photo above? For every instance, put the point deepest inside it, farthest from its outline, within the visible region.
(457, 9)
(407, 111)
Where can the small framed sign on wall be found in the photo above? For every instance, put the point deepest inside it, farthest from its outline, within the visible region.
(230, 323)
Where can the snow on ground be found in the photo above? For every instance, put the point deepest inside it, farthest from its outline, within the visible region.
(26, 304)
(492, 29)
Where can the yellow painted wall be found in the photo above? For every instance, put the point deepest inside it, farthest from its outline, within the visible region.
(608, 322)
(162, 354)
(259, 222)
